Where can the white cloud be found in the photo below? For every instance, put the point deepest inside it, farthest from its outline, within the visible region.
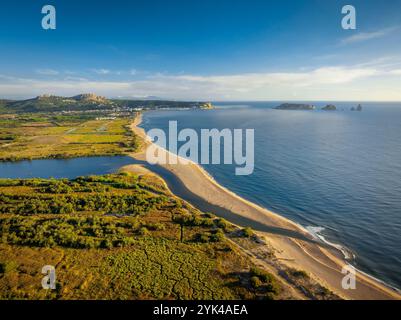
(72, 78)
(395, 72)
(114, 72)
(101, 71)
(365, 36)
(326, 83)
(251, 81)
(47, 72)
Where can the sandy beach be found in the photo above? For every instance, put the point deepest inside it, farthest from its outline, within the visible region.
(292, 244)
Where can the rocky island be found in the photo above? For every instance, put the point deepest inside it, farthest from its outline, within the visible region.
(329, 107)
(295, 106)
(358, 108)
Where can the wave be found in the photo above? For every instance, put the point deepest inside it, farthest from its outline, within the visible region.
(316, 233)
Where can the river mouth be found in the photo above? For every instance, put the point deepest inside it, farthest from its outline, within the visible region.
(63, 168)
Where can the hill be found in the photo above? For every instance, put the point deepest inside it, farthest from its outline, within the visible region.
(86, 102)
(90, 97)
(49, 103)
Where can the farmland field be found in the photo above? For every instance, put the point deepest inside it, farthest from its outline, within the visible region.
(25, 137)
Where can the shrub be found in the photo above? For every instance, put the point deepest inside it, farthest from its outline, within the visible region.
(178, 204)
(263, 275)
(156, 226)
(218, 236)
(208, 215)
(255, 282)
(201, 237)
(182, 218)
(299, 273)
(267, 279)
(7, 266)
(106, 244)
(207, 222)
(223, 224)
(66, 231)
(143, 231)
(247, 232)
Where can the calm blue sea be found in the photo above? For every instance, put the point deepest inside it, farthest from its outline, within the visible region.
(337, 170)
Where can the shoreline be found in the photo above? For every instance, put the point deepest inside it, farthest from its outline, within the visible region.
(293, 244)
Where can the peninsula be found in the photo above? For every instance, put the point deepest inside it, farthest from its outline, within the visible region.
(90, 103)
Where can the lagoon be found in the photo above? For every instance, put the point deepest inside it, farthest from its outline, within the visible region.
(63, 168)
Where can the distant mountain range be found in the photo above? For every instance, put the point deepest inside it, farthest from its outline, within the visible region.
(89, 101)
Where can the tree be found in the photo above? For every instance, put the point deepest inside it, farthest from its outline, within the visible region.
(182, 220)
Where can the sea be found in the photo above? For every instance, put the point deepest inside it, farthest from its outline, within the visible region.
(336, 173)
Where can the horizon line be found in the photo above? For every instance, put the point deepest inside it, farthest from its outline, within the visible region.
(205, 100)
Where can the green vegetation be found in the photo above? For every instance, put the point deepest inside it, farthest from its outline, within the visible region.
(224, 225)
(88, 102)
(310, 287)
(70, 232)
(7, 266)
(247, 232)
(34, 136)
(158, 104)
(118, 236)
(298, 274)
(263, 281)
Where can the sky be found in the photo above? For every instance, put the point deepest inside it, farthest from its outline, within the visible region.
(202, 50)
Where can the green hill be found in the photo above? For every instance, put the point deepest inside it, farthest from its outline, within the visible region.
(85, 102)
(48, 103)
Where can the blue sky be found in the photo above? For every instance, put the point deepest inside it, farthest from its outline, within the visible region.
(206, 50)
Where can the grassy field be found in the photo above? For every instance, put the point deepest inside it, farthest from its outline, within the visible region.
(119, 236)
(49, 136)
